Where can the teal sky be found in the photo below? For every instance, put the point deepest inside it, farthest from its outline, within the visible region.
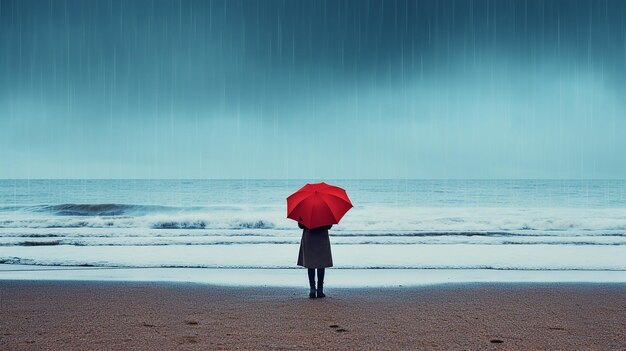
(312, 89)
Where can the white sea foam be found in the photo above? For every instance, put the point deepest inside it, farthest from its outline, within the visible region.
(359, 219)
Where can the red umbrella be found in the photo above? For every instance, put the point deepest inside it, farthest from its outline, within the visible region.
(316, 205)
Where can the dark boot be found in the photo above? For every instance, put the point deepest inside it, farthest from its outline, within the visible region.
(320, 282)
(311, 274)
(320, 289)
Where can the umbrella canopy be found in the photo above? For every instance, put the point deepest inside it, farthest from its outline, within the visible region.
(319, 204)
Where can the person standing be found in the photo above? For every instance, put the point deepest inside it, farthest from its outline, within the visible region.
(314, 255)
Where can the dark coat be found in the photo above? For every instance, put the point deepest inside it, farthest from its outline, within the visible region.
(315, 248)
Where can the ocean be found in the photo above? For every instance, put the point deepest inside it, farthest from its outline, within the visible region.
(543, 225)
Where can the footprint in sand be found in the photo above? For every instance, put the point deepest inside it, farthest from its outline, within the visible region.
(337, 329)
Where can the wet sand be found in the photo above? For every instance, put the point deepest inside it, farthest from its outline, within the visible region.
(52, 315)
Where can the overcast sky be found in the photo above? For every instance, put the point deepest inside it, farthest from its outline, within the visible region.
(312, 89)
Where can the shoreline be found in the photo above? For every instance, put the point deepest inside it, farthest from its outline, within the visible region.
(106, 315)
(296, 277)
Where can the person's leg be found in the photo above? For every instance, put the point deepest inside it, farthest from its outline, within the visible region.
(320, 275)
(311, 272)
(320, 282)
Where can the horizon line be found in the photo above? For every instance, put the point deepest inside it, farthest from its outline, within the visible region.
(241, 179)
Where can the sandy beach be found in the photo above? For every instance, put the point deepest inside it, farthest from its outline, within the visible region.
(53, 315)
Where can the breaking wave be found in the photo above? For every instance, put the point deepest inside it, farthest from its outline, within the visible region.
(92, 209)
(371, 220)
